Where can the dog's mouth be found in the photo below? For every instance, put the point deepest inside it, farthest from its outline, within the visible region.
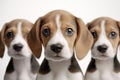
(104, 55)
(57, 56)
(18, 54)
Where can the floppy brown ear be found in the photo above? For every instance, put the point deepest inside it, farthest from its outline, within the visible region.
(33, 39)
(84, 39)
(118, 24)
(2, 40)
(2, 47)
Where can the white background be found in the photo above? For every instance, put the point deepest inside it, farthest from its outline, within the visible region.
(32, 9)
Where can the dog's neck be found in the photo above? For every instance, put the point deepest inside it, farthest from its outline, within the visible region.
(59, 66)
(22, 64)
(102, 65)
(26, 64)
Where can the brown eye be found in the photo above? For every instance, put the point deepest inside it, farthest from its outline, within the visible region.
(69, 31)
(94, 34)
(113, 35)
(46, 32)
(10, 35)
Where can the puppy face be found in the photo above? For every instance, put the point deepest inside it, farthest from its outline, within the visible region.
(58, 38)
(106, 38)
(60, 33)
(14, 35)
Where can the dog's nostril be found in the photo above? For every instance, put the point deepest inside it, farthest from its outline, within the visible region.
(18, 47)
(56, 48)
(102, 48)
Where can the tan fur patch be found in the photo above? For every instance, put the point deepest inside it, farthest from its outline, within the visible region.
(110, 25)
(66, 22)
(81, 34)
(12, 27)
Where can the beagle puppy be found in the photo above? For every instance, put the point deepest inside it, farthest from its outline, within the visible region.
(104, 63)
(22, 65)
(61, 35)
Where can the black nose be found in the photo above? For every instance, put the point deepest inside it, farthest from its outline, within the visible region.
(102, 48)
(56, 48)
(18, 47)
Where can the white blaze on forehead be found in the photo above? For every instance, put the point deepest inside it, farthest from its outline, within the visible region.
(103, 32)
(18, 37)
(58, 37)
(19, 28)
(103, 27)
(102, 38)
(58, 21)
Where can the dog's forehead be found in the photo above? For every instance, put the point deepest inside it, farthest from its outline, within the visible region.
(108, 23)
(64, 16)
(24, 24)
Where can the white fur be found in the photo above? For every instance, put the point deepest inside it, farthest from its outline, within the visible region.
(59, 65)
(22, 71)
(103, 40)
(104, 71)
(26, 52)
(58, 38)
(103, 64)
(59, 71)
(21, 60)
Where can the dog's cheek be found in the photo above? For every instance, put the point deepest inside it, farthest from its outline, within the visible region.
(7, 42)
(113, 47)
(94, 52)
(115, 42)
(10, 51)
(111, 51)
(26, 51)
(66, 52)
(71, 42)
(44, 41)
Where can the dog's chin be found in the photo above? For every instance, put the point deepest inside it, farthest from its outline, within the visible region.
(18, 55)
(56, 58)
(102, 57)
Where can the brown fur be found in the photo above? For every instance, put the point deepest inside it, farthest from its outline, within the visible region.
(82, 40)
(11, 27)
(2, 47)
(110, 25)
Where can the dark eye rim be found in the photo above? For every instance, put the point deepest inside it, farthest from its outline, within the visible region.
(69, 34)
(46, 34)
(10, 35)
(94, 36)
(113, 36)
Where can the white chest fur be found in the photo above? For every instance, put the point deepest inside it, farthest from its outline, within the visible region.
(107, 75)
(59, 71)
(22, 71)
(104, 72)
(61, 76)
